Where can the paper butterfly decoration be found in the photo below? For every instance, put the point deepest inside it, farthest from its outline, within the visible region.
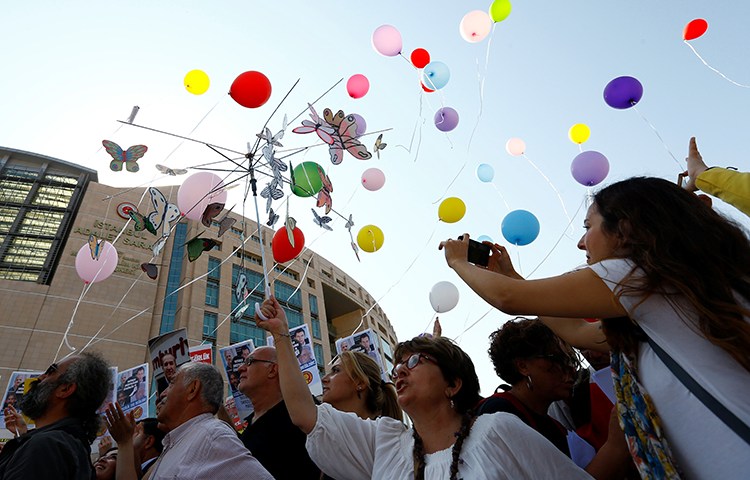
(129, 157)
(196, 246)
(141, 221)
(225, 224)
(324, 195)
(171, 171)
(150, 269)
(241, 291)
(322, 222)
(379, 145)
(344, 137)
(211, 212)
(290, 225)
(348, 225)
(319, 126)
(272, 140)
(272, 218)
(96, 246)
(164, 213)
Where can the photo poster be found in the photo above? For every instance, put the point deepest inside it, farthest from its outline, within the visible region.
(202, 353)
(239, 423)
(133, 390)
(110, 398)
(365, 342)
(19, 383)
(232, 358)
(300, 337)
(167, 352)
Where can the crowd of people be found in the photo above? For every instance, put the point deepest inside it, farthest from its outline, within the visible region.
(660, 312)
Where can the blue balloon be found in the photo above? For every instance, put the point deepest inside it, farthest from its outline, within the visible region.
(485, 172)
(484, 238)
(520, 227)
(436, 75)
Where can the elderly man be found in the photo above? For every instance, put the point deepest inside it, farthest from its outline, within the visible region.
(198, 446)
(62, 402)
(270, 434)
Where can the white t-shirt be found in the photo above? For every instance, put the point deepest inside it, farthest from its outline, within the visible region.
(499, 446)
(703, 445)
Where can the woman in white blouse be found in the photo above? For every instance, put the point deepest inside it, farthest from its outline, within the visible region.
(438, 388)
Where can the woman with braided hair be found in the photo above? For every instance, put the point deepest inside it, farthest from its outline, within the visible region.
(438, 388)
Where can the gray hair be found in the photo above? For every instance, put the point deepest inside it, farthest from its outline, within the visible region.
(212, 385)
(90, 373)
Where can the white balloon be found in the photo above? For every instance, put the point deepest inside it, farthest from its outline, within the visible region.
(443, 297)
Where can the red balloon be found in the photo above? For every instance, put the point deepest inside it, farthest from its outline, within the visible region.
(695, 29)
(283, 251)
(251, 89)
(428, 90)
(420, 57)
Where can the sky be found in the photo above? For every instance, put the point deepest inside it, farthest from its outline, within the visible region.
(72, 69)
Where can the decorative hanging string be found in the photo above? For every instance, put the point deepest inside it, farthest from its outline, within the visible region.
(552, 186)
(679, 165)
(713, 69)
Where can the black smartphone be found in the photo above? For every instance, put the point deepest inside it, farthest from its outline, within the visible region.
(479, 253)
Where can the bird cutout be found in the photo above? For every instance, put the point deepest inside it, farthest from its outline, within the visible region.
(133, 113)
(324, 195)
(96, 246)
(344, 138)
(150, 269)
(272, 218)
(196, 246)
(171, 171)
(379, 145)
(129, 157)
(323, 129)
(141, 222)
(322, 222)
(211, 212)
(164, 213)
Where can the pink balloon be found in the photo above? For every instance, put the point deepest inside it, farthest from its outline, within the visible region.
(373, 179)
(386, 40)
(197, 192)
(357, 86)
(475, 26)
(361, 124)
(515, 146)
(94, 271)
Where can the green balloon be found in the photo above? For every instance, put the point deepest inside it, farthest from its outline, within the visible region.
(499, 10)
(306, 179)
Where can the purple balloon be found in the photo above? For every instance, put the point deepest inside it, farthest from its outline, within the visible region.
(623, 92)
(446, 119)
(589, 168)
(361, 124)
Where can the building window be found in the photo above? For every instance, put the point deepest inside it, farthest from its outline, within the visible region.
(318, 349)
(293, 317)
(214, 268)
(213, 282)
(313, 304)
(287, 294)
(315, 327)
(209, 325)
(173, 280)
(243, 329)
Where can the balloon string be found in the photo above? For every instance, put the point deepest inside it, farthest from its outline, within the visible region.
(552, 186)
(502, 197)
(452, 181)
(421, 120)
(583, 202)
(472, 325)
(64, 339)
(195, 128)
(481, 80)
(429, 322)
(715, 70)
(518, 258)
(679, 165)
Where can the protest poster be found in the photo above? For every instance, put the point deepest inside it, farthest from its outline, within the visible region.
(19, 383)
(365, 342)
(232, 357)
(167, 352)
(300, 337)
(239, 423)
(202, 353)
(133, 390)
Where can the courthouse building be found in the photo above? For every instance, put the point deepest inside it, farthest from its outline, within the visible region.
(48, 209)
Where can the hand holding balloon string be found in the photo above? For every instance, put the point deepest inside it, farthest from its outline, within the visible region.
(271, 317)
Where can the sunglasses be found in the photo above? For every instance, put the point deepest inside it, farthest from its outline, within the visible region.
(250, 360)
(411, 362)
(51, 369)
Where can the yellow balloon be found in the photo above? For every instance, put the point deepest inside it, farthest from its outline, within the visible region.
(451, 210)
(579, 133)
(370, 238)
(197, 82)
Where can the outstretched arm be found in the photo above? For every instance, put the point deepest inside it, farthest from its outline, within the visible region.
(695, 165)
(294, 389)
(578, 332)
(121, 426)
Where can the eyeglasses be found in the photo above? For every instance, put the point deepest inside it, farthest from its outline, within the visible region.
(411, 362)
(561, 360)
(51, 369)
(250, 360)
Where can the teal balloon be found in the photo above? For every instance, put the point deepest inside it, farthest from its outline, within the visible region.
(484, 238)
(485, 172)
(520, 227)
(436, 75)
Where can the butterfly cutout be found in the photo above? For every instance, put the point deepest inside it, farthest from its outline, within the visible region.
(164, 213)
(324, 195)
(96, 246)
(349, 223)
(141, 222)
(225, 224)
(150, 269)
(241, 291)
(322, 222)
(171, 171)
(129, 156)
(272, 218)
(319, 126)
(290, 224)
(211, 212)
(379, 145)
(332, 119)
(196, 246)
(345, 139)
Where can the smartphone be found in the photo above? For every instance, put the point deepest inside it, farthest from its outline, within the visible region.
(479, 253)
(681, 182)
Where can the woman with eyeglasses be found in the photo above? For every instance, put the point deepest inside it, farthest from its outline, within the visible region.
(438, 388)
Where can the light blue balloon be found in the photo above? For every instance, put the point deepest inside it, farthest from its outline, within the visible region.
(485, 172)
(436, 75)
(484, 238)
(520, 227)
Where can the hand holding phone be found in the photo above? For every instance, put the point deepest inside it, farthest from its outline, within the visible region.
(479, 253)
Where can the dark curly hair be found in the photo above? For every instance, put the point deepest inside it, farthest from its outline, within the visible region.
(453, 362)
(90, 373)
(518, 339)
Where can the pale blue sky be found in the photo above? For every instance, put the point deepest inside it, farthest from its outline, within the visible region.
(71, 69)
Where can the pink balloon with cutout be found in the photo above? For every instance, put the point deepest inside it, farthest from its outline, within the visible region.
(199, 191)
(361, 124)
(386, 40)
(515, 146)
(93, 271)
(373, 179)
(357, 86)
(475, 26)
